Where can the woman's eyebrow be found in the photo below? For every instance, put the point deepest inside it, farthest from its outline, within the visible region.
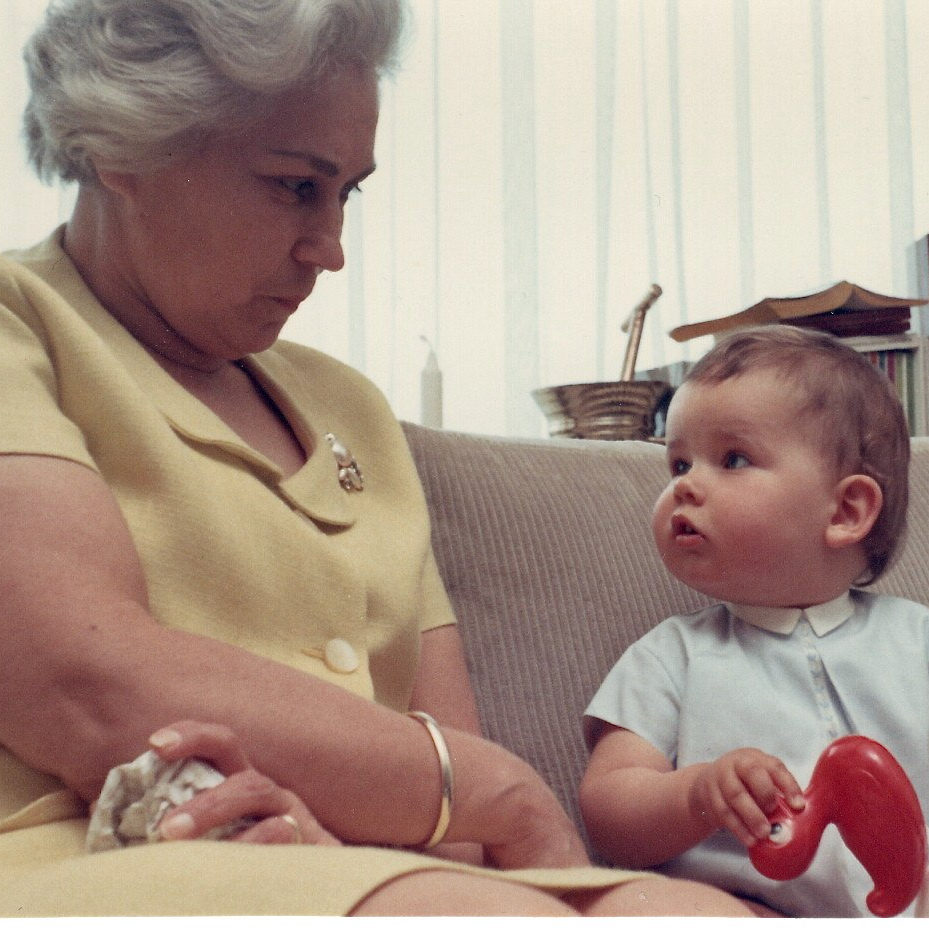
(324, 165)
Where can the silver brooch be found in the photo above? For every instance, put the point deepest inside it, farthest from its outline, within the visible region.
(349, 473)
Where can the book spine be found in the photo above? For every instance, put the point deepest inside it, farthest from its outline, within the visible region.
(898, 365)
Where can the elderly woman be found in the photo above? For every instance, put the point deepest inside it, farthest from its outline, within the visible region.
(214, 543)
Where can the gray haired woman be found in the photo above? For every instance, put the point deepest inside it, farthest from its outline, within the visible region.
(214, 544)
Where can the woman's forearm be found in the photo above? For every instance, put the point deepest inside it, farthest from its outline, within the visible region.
(89, 676)
(369, 774)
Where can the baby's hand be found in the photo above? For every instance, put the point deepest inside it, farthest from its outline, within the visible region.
(739, 790)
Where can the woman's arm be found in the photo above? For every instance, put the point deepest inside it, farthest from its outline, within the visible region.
(443, 690)
(89, 675)
(442, 687)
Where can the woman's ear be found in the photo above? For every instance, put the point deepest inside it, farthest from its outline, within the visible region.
(858, 502)
(120, 183)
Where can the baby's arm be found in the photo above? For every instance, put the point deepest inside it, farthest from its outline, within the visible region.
(640, 811)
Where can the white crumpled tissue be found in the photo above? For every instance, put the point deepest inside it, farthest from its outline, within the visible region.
(136, 796)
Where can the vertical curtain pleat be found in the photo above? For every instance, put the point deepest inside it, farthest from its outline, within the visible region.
(605, 51)
(520, 216)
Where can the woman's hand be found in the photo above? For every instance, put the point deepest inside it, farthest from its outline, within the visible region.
(280, 816)
(739, 790)
(503, 803)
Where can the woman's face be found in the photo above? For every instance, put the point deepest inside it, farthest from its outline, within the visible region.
(224, 246)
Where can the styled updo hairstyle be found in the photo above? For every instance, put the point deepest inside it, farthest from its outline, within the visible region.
(130, 84)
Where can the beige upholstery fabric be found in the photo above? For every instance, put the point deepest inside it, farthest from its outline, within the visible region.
(909, 575)
(546, 550)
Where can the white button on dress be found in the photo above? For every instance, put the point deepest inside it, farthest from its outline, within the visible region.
(340, 657)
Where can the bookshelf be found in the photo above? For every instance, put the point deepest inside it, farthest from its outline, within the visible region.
(905, 361)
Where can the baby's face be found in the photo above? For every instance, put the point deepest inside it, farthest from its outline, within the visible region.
(744, 517)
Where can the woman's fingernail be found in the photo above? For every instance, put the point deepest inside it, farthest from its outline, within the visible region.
(176, 826)
(164, 738)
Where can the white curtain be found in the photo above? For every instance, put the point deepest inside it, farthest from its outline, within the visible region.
(542, 162)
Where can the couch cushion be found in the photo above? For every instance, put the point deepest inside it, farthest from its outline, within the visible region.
(909, 574)
(545, 547)
(546, 550)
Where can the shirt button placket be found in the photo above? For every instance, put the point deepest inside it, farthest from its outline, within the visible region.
(818, 675)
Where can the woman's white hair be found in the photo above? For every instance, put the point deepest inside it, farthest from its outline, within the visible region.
(129, 84)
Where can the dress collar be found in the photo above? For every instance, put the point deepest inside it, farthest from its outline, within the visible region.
(823, 618)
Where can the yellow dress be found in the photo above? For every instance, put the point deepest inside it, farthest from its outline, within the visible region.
(298, 570)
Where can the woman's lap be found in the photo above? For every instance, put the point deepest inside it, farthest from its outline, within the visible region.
(44, 872)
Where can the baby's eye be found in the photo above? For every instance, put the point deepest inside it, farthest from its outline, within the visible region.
(679, 466)
(736, 460)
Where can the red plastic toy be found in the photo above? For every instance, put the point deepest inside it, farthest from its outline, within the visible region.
(858, 785)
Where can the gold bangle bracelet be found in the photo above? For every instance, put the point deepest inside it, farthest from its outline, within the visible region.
(445, 766)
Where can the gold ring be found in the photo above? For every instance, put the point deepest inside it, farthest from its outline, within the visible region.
(298, 833)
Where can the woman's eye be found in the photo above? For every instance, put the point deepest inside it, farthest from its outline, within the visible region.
(348, 191)
(301, 186)
(736, 460)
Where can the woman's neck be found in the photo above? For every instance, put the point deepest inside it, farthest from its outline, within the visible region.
(94, 242)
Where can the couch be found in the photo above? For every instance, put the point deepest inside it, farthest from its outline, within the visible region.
(545, 547)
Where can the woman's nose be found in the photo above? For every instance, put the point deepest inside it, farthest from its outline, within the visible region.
(321, 249)
(320, 240)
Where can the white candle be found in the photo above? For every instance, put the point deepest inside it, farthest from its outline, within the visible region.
(431, 392)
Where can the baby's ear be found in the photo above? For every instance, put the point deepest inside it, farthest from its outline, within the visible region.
(858, 502)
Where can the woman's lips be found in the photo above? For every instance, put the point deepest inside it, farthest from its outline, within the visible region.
(290, 304)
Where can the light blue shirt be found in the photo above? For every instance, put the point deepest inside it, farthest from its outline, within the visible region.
(788, 682)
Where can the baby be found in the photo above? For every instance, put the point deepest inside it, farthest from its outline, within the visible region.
(789, 456)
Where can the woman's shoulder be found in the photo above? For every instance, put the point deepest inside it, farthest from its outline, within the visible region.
(39, 276)
(31, 259)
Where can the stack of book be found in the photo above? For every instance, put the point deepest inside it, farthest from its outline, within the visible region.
(874, 324)
(844, 309)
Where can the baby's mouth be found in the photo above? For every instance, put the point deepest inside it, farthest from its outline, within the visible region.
(682, 527)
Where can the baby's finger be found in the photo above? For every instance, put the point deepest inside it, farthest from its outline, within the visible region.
(744, 818)
(788, 788)
(759, 782)
(723, 800)
(747, 822)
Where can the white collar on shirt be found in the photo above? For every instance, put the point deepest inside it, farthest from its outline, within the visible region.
(823, 618)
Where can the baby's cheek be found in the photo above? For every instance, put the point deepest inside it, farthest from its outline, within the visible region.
(661, 514)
